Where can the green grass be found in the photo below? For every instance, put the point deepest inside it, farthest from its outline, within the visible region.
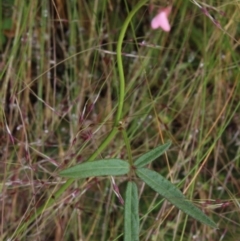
(183, 86)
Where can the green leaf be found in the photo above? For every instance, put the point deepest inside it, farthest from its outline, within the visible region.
(166, 189)
(131, 215)
(107, 167)
(151, 155)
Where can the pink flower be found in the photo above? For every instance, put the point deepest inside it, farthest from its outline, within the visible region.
(161, 20)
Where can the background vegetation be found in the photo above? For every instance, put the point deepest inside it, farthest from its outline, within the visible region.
(59, 92)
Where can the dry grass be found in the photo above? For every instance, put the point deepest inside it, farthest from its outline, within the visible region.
(59, 92)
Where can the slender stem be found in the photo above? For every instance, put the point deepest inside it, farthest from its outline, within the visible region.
(111, 135)
(120, 62)
(127, 143)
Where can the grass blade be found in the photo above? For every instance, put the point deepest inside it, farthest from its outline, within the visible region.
(131, 215)
(166, 189)
(109, 167)
(151, 155)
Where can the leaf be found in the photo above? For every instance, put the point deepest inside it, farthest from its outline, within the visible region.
(107, 167)
(131, 215)
(151, 155)
(166, 189)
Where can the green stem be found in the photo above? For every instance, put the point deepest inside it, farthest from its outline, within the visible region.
(51, 201)
(119, 60)
(127, 143)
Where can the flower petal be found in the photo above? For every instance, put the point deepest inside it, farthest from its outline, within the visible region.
(161, 20)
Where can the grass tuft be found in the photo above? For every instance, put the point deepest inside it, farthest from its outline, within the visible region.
(59, 94)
